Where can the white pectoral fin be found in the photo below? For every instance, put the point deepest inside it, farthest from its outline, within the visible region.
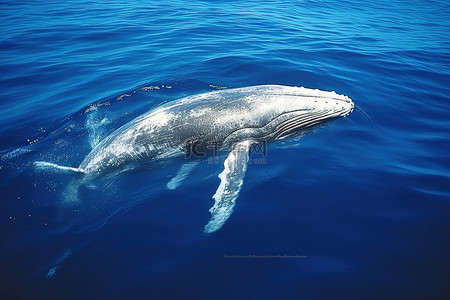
(181, 175)
(230, 184)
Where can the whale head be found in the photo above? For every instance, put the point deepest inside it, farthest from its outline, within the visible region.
(274, 112)
(301, 110)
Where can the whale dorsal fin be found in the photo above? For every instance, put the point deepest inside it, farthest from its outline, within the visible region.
(231, 178)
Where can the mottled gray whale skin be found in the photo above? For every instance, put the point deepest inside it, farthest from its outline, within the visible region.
(256, 113)
(233, 118)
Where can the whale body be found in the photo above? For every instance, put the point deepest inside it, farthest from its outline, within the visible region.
(198, 126)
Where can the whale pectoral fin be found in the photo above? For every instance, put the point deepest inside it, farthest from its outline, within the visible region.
(178, 179)
(230, 184)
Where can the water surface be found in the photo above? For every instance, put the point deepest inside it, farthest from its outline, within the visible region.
(364, 202)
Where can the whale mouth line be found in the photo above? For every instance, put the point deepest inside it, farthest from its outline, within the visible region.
(302, 120)
(343, 98)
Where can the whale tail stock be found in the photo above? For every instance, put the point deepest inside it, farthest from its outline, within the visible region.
(42, 165)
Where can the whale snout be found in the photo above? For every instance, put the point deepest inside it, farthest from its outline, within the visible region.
(335, 105)
(343, 105)
(346, 105)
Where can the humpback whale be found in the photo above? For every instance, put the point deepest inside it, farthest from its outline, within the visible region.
(231, 120)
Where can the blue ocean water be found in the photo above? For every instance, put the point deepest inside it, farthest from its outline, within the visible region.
(359, 208)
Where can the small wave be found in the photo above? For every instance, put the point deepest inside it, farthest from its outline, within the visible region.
(15, 153)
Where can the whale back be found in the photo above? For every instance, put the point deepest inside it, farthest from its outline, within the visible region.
(218, 118)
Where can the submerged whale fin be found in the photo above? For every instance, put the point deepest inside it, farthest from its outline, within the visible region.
(43, 165)
(230, 184)
(70, 193)
(178, 179)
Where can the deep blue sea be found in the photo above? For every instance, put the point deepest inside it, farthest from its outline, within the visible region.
(359, 209)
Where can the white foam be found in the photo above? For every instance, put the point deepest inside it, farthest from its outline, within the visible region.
(15, 153)
(43, 165)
